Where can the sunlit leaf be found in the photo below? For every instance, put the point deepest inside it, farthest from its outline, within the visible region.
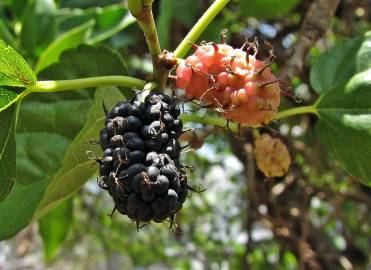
(344, 126)
(340, 63)
(14, 70)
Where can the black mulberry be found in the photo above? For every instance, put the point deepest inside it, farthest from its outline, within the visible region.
(140, 167)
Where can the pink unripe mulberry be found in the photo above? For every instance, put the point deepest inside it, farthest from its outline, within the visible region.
(242, 87)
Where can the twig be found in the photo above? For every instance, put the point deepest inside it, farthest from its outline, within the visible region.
(315, 25)
(252, 200)
(142, 11)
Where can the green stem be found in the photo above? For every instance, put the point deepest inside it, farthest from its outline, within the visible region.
(63, 85)
(296, 111)
(199, 27)
(147, 23)
(216, 121)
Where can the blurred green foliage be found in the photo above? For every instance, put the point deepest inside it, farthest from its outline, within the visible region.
(211, 232)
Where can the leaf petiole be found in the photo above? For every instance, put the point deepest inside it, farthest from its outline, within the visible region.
(298, 110)
(64, 85)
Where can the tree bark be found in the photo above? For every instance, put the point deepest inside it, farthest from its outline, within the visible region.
(315, 25)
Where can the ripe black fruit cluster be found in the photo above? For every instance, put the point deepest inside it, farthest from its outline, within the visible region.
(140, 167)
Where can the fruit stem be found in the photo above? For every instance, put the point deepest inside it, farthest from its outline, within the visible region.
(144, 16)
(296, 111)
(63, 85)
(199, 27)
(216, 121)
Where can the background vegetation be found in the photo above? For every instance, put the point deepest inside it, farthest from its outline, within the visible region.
(316, 217)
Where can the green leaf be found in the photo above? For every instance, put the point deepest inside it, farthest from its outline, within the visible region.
(341, 63)
(54, 228)
(39, 26)
(5, 34)
(47, 126)
(105, 17)
(212, 32)
(68, 40)
(164, 22)
(87, 3)
(7, 151)
(18, 7)
(103, 35)
(191, 12)
(17, 209)
(76, 168)
(110, 20)
(86, 61)
(267, 9)
(110, 16)
(344, 126)
(14, 70)
(8, 96)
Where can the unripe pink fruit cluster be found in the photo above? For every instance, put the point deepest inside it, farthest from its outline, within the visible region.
(242, 87)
